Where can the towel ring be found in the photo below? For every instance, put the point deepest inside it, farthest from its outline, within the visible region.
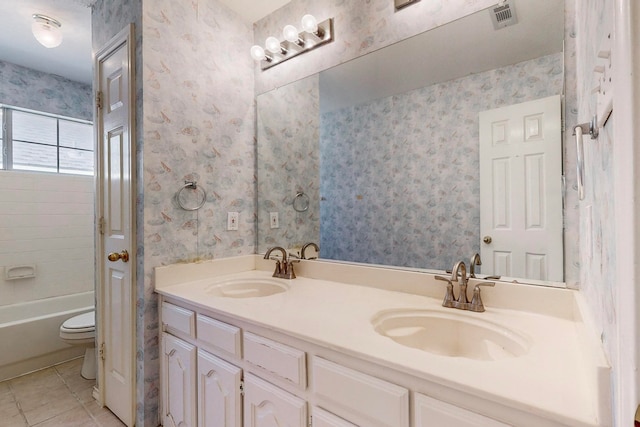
(193, 185)
(301, 202)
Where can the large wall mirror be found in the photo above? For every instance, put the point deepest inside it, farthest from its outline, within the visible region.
(378, 160)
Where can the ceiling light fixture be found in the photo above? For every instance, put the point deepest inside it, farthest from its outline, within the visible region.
(313, 34)
(46, 30)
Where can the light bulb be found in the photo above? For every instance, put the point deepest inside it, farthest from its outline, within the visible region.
(290, 33)
(273, 45)
(309, 23)
(257, 53)
(46, 30)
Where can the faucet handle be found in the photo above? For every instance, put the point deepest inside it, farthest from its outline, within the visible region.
(449, 299)
(476, 302)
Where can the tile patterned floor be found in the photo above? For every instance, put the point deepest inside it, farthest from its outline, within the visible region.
(54, 397)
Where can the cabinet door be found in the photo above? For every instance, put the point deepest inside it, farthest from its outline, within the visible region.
(218, 392)
(266, 405)
(322, 418)
(179, 382)
(430, 412)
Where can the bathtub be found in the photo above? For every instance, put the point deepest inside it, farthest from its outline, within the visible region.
(29, 333)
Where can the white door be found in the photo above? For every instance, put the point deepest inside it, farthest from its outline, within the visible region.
(266, 405)
(521, 190)
(219, 401)
(179, 382)
(116, 252)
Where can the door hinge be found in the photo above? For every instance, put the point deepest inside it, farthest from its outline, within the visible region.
(310, 420)
(101, 224)
(242, 388)
(99, 100)
(102, 352)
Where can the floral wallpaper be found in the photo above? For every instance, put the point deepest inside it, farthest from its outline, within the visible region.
(597, 223)
(400, 175)
(289, 164)
(35, 90)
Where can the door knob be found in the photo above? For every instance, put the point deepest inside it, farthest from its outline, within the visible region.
(487, 239)
(114, 256)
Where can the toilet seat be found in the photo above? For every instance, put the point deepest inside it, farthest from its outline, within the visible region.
(81, 327)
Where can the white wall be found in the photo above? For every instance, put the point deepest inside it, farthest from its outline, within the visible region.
(46, 220)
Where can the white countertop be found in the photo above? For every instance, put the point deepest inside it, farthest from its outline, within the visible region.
(562, 377)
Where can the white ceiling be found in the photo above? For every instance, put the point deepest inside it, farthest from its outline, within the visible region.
(72, 59)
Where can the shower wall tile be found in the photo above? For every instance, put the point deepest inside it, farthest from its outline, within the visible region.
(35, 90)
(400, 175)
(41, 215)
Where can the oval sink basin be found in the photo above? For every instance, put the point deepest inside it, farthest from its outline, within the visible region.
(246, 288)
(450, 334)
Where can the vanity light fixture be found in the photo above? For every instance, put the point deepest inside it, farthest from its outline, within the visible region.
(46, 30)
(313, 34)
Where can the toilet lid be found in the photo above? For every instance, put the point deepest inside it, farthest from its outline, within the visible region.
(83, 321)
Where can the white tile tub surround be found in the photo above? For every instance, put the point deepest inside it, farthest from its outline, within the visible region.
(46, 220)
(565, 358)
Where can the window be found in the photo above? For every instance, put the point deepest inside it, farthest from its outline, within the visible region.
(34, 141)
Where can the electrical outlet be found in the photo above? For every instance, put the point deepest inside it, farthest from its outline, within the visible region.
(232, 221)
(273, 220)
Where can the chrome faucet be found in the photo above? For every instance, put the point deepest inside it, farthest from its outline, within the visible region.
(475, 260)
(306, 245)
(284, 268)
(459, 275)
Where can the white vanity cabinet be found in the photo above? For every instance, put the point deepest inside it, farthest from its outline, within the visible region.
(200, 388)
(322, 418)
(219, 374)
(179, 382)
(266, 405)
(430, 412)
(219, 385)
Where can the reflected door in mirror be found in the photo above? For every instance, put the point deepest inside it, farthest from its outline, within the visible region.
(521, 190)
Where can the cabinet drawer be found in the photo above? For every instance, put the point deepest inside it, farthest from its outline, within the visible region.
(218, 335)
(359, 398)
(322, 418)
(281, 360)
(429, 412)
(179, 319)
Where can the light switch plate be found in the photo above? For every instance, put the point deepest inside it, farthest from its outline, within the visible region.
(232, 221)
(273, 220)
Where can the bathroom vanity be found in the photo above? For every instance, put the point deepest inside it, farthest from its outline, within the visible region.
(346, 345)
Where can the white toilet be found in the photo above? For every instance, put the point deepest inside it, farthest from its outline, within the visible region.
(81, 330)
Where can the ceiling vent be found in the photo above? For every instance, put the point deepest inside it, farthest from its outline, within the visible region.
(503, 14)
